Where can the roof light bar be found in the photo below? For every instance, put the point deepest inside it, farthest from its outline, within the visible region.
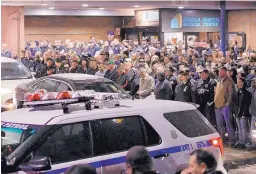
(89, 97)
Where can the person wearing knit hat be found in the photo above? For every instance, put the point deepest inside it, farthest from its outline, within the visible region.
(139, 161)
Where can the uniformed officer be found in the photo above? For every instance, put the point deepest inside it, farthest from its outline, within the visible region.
(185, 90)
(205, 95)
(171, 78)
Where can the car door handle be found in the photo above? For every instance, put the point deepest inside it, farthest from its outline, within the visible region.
(161, 156)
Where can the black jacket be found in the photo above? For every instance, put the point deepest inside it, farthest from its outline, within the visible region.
(185, 92)
(205, 91)
(112, 75)
(163, 90)
(92, 71)
(242, 103)
(81, 70)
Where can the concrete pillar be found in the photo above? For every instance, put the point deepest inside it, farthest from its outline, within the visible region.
(13, 28)
(223, 28)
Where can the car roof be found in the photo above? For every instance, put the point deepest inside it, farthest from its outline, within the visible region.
(7, 59)
(75, 76)
(41, 115)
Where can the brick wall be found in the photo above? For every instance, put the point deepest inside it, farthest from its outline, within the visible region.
(74, 28)
(243, 21)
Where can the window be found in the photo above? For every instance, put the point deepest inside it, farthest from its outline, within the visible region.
(120, 134)
(37, 85)
(190, 123)
(68, 143)
(14, 71)
(152, 136)
(62, 87)
(49, 85)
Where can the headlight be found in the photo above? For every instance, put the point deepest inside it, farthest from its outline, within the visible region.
(6, 91)
(254, 134)
(9, 104)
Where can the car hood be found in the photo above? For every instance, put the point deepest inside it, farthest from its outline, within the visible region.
(12, 84)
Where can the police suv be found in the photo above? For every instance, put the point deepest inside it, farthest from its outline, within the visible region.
(57, 131)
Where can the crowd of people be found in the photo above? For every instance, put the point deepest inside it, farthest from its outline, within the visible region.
(223, 84)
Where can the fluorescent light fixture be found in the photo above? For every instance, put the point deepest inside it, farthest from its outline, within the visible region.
(180, 7)
(51, 8)
(101, 8)
(136, 6)
(85, 5)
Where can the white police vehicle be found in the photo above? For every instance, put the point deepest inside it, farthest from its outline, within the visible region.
(55, 134)
(13, 73)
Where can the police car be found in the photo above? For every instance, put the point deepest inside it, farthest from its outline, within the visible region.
(13, 73)
(59, 130)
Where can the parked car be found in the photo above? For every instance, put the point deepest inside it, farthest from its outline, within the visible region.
(13, 73)
(69, 82)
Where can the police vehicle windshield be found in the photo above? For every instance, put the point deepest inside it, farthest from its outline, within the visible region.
(13, 134)
(14, 71)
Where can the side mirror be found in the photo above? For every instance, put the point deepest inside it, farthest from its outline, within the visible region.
(2, 134)
(37, 163)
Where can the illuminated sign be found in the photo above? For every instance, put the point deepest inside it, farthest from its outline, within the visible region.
(190, 21)
(179, 21)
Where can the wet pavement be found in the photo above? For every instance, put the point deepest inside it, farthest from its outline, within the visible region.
(249, 169)
(236, 158)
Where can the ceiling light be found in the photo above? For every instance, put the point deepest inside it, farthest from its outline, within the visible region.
(51, 8)
(85, 5)
(136, 6)
(101, 8)
(180, 7)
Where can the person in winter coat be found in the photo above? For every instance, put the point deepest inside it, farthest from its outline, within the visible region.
(184, 90)
(242, 102)
(147, 84)
(139, 161)
(201, 162)
(172, 79)
(93, 67)
(83, 67)
(49, 69)
(28, 61)
(5, 52)
(38, 63)
(122, 78)
(111, 73)
(75, 68)
(205, 95)
(252, 110)
(163, 89)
